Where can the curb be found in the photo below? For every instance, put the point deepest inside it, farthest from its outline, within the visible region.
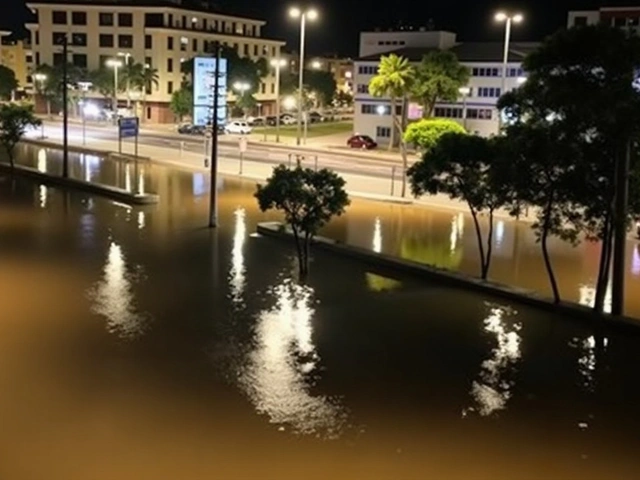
(457, 280)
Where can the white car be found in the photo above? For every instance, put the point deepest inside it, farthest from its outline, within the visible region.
(242, 128)
(288, 119)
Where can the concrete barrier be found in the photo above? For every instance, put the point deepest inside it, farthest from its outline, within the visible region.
(455, 279)
(113, 193)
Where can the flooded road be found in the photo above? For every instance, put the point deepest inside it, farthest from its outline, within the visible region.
(134, 343)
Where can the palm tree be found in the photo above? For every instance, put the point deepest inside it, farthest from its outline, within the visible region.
(393, 80)
(144, 79)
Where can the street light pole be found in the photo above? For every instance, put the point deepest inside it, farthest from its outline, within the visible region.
(115, 64)
(311, 15)
(508, 19)
(213, 197)
(65, 109)
(40, 79)
(84, 86)
(278, 63)
(464, 91)
(128, 86)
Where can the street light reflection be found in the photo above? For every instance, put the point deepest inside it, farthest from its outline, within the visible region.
(377, 236)
(42, 160)
(283, 367)
(141, 184)
(492, 390)
(588, 297)
(127, 177)
(237, 277)
(114, 299)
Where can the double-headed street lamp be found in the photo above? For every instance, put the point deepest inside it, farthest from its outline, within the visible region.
(303, 15)
(507, 19)
(278, 63)
(126, 64)
(115, 64)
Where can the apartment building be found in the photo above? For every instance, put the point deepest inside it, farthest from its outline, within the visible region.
(340, 68)
(477, 112)
(16, 55)
(159, 33)
(623, 17)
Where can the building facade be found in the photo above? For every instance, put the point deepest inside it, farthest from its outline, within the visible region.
(623, 17)
(340, 68)
(476, 111)
(16, 55)
(160, 34)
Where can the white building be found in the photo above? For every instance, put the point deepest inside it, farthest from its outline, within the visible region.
(158, 33)
(478, 112)
(623, 17)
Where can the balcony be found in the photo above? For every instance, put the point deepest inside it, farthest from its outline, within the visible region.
(194, 24)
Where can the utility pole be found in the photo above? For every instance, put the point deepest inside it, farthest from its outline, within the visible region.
(213, 197)
(65, 109)
(620, 226)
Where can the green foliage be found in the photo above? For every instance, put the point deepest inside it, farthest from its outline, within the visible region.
(322, 83)
(307, 198)
(103, 82)
(438, 78)
(472, 169)
(246, 102)
(342, 99)
(8, 82)
(14, 121)
(182, 103)
(425, 133)
(244, 69)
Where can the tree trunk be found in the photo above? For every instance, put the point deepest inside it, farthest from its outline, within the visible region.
(299, 251)
(48, 107)
(11, 160)
(306, 249)
(476, 224)
(545, 253)
(392, 139)
(602, 282)
(487, 261)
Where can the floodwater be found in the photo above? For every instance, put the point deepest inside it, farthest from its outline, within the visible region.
(134, 343)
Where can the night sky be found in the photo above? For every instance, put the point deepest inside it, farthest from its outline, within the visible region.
(341, 20)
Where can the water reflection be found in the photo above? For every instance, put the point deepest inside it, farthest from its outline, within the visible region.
(588, 297)
(42, 196)
(457, 230)
(141, 184)
(127, 177)
(114, 299)
(377, 236)
(42, 160)
(141, 220)
(492, 390)
(282, 367)
(237, 278)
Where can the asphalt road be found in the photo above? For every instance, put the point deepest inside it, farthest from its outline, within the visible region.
(229, 147)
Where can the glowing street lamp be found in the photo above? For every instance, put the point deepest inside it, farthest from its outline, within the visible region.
(316, 65)
(464, 91)
(303, 15)
(126, 64)
(115, 64)
(289, 103)
(278, 63)
(84, 86)
(507, 18)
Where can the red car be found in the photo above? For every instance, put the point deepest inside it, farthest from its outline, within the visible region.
(362, 141)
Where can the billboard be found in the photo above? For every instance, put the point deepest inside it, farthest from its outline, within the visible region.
(204, 69)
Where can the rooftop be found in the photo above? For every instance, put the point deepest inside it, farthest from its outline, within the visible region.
(466, 52)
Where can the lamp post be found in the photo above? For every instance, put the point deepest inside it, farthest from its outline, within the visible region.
(242, 88)
(508, 19)
(303, 16)
(40, 78)
(278, 63)
(316, 65)
(126, 64)
(115, 64)
(84, 86)
(464, 91)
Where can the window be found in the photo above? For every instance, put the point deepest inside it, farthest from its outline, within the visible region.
(169, 87)
(80, 60)
(263, 87)
(170, 65)
(148, 113)
(194, 44)
(169, 43)
(485, 72)
(580, 21)
(58, 38)
(184, 41)
(58, 17)
(246, 49)
(373, 109)
(106, 19)
(383, 132)
(125, 41)
(491, 92)
(37, 58)
(58, 59)
(363, 88)
(153, 20)
(29, 58)
(367, 69)
(273, 89)
(184, 22)
(479, 113)
(106, 41)
(255, 50)
(448, 112)
(147, 62)
(79, 39)
(204, 24)
(171, 19)
(78, 18)
(148, 42)
(125, 20)
(37, 41)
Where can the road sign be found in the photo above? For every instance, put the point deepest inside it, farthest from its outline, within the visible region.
(128, 127)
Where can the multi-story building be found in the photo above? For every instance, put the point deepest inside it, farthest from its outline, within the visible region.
(15, 54)
(159, 33)
(623, 17)
(476, 111)
(340, 68)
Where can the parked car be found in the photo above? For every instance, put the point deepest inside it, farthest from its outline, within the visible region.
(256, 122)
(188, 129)
(287, 119)
(315, 117)
(271, 121)
(238, 127)
(362, 141)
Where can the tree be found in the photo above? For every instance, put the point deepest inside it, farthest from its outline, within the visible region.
(472, 169)
(342, 99)
(146, 82)
(14, 121)
(8, 82)
(425, 133)
(393, 80)
(438, 78)
(182, 103)
(103, 82)
(580, 82)
(308, 199)
(246, 102)
(322, 83)
(48, 86)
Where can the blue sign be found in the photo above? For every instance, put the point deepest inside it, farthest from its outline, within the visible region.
(204, 71)
(128, 127)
